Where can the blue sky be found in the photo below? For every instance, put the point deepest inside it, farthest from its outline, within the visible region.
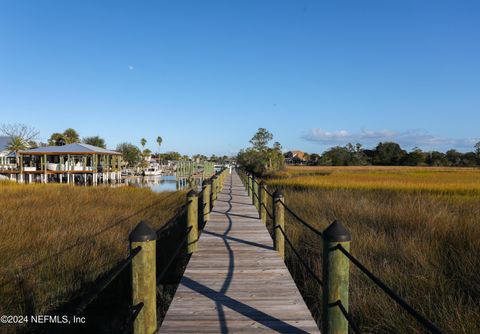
(206, 74)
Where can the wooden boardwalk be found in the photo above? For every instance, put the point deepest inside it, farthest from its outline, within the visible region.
(236, 282)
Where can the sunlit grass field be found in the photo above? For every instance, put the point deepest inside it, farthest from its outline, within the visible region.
(416, 228)
(427, 179)
(57, 238)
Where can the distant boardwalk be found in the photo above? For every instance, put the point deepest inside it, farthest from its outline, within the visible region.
(236, 282)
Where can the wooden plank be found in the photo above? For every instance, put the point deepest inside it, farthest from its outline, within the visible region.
(236, 282)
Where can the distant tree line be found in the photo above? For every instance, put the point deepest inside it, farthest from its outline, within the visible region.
(391, 154)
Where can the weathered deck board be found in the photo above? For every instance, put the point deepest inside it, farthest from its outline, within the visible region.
(236, 282)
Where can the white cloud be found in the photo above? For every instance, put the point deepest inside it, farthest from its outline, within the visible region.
(409, 138)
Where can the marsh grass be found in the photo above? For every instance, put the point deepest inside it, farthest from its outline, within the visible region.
(452, 181)
(56, 239)
(424, 244)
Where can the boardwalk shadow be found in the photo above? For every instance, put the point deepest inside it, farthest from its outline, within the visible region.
(251, 243)
(244, 309)
(233, 202)
(234, 214)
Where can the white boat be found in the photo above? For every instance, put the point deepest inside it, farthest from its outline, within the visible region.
(152, 170)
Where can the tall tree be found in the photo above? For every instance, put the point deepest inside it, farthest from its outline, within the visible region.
(388, 154)
(143, 142)
(454, 157)
(170, 156)
(131, 153)
(95, 141)
(159, 142)
(57, 139)
(261, 139)
(260, 158)
(414, 158)
(71, 136)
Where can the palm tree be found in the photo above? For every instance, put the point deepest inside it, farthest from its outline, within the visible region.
(57, 139)
(143, 142)
(159, 142)
(17, 144)
(71, 136)
(95, 141)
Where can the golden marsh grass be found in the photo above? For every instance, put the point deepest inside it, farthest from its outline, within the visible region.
(56, 238)
(433, 180)
(416, 228)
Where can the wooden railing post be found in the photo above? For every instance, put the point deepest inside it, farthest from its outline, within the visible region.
(263, 202)
(214, 189)
(220, 184)
(279, 222)
(249, 176)
(206, 187)
(255, 193)
(192, 221)
(335, 279)
(144, 286)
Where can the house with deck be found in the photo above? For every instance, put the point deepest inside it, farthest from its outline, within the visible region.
(73, 164)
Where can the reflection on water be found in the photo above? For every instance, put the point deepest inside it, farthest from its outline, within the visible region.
(162, 183)
(156, 183)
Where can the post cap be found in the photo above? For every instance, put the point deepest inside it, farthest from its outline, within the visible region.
(192, 193)
(142, 232)
(278, 193)
(336, 232)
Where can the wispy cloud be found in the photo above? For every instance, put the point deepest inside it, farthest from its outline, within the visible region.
(409, 138)
(130, 67)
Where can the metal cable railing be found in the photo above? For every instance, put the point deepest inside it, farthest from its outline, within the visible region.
(167, 226)
(303, 222)
(269, 193)
(256, 196)
(309, 270)
(347, 316)
(414, 313)
(105, 282)
(268, 212)
(175, 254)
(131, 318)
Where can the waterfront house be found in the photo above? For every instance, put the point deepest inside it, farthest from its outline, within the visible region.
(72, 163)
(295, 158)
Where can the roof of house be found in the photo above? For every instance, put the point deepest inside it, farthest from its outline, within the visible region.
(4, 142)
(296, 154)
(75, 148)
